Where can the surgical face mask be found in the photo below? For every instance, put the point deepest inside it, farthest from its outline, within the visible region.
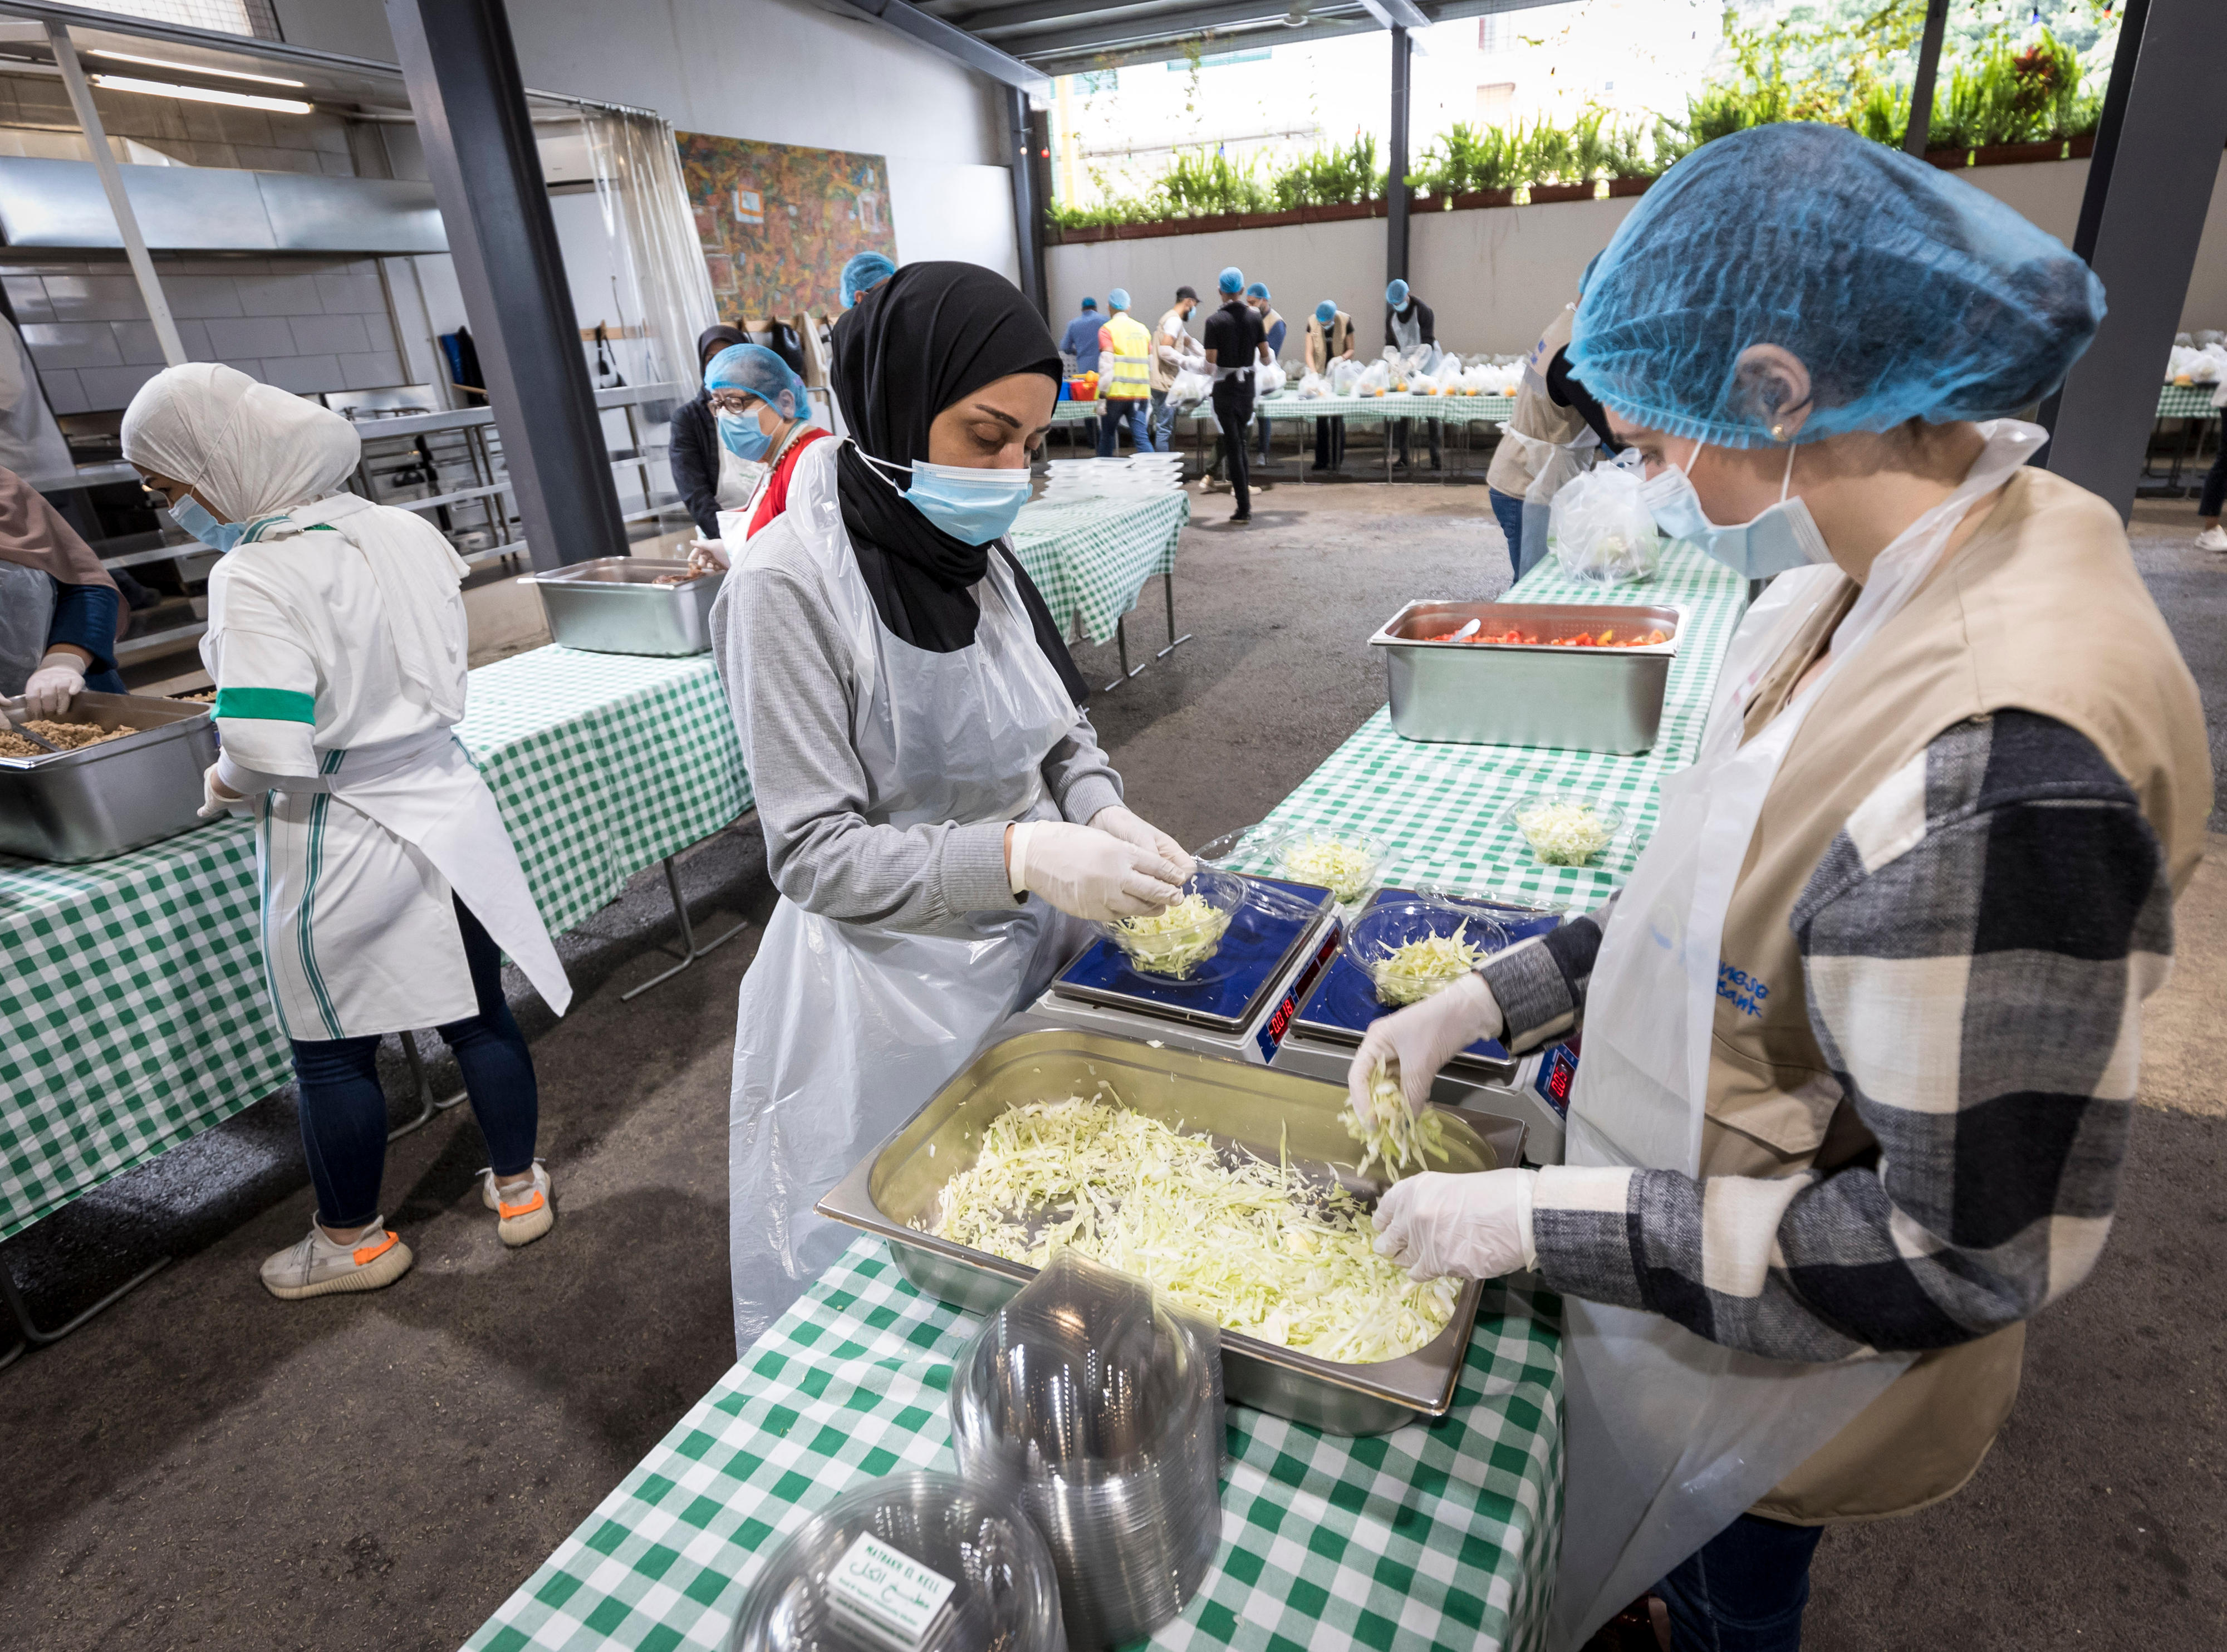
(1782, 537)
(740, 435)
(971, 504)
(218, 536)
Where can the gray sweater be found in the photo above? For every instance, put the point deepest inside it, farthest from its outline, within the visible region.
(788, 677)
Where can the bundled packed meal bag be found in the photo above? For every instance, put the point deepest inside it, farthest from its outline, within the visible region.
(1599, 528)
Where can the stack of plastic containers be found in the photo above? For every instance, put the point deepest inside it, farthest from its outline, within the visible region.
(1141, 476)
(914, 1563)
(1097, 1407)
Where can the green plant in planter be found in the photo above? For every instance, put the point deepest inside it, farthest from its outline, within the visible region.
(1884, 115)
(1464, 159)
(1331, 176)
(1200, 184)
(1549, 155)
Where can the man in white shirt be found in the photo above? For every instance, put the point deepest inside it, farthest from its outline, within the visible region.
(1172, 343)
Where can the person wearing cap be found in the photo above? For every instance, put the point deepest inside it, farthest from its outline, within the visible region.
(1273, 327)
(1079, 344)
(1408, 323)
(1172, 346)
(1862, 1030)
(1330, 338)
(1125, 377)
(1234, 345)
(862, 274)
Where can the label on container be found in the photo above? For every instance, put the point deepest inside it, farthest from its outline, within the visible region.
(886, 1592)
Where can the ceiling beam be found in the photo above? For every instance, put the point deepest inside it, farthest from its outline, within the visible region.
(990, 20)
(1397, 14)
(954, 43)
(1189, 24)
(1228, 39)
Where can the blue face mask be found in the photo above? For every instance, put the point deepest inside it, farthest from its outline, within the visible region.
(1784, 537)
(970, 505)
(218, 536)
(740, 435)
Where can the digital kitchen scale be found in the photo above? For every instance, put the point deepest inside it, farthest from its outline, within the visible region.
(1239, 1003)
(1485, 1078)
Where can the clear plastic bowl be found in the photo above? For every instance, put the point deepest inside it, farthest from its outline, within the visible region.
(1607, 818)
(1377, 935)
(1177, 952)
(1374, 856)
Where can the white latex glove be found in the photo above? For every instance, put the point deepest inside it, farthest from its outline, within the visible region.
(1088, 873)
(707, 557)
(1134, 829)
(217, 798)
(1477, 1226)
(1416, 1041)
(59, 680)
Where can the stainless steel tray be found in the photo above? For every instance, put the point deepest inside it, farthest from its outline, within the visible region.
(613, 605)
(901, 1182)
(100, 801)
(1518, 694)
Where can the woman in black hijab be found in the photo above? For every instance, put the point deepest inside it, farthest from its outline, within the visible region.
(936, 810)
(695, 451)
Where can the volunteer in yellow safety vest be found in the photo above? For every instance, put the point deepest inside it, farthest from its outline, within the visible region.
(1124, 377)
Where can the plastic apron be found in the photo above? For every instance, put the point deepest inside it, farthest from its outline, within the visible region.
(1556, 465)
(844, 1031)
(27, 615)
(739, 479)
(1672, 1436)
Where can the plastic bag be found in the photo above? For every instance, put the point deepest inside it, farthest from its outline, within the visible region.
(1191, 386)
(1600, 528)
(1344, 375)
(1313, 387)
(1268, 380)
(1374, 380)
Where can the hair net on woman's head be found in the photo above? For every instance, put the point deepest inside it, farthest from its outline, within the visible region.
(248, 448)
(1906, 293)
(864, 271)
(1326, 311)
(754, 368)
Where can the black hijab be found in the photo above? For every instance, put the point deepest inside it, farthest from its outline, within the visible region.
(722, 336)
(912, 347)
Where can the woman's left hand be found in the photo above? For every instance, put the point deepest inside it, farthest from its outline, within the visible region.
(1134, 829)
(707, 557)
(1478, 1224)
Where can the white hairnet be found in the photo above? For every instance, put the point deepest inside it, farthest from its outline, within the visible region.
(249, 450)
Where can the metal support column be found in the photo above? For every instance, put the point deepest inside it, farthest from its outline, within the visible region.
(461, 71)
(1929, 70)
(1028, 206)
(2157, 157)
(1396, 188)
(127, 221)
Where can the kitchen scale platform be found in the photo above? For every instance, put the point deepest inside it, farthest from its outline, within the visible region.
(1533, 1087)
(1239, 1003)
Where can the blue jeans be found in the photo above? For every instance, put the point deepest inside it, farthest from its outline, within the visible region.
(1743, 1591)
(344, 1110)
(2215, 486)
(1135, 415)
(1164, 423)
(1508, 511)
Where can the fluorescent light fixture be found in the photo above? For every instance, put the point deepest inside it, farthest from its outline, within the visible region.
(194, 68)
(200, 94)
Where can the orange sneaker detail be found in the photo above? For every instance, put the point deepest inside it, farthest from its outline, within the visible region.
(373, 1252)
(510, 1212)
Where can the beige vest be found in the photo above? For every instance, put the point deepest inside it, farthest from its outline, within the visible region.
(2041, 611)
(1515, 464)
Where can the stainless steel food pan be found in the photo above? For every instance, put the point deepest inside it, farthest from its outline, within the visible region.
(100, 800)
(902, 1182)
(1519, 694)
(614, 605)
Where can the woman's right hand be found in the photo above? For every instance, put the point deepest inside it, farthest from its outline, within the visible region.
(1088, 873)
(1417, 1041)
(706, 557)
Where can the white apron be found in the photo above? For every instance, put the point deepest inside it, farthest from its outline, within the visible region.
(355, 870)
(1672, 1436)
(739, 478)
(844, 1031)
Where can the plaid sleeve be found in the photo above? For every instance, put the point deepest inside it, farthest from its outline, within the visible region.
(1976, 943)
(1539, 984)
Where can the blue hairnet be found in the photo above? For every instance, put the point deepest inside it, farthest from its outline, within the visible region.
(1233, 280)
(1258, 289)
(1396, 295)
(754, 368)
(1119, 298)
(1090, 304)
(864, 271)
(1586, 277)
(1907, 293)
(1326, 311)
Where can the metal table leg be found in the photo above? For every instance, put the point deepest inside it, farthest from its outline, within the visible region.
(33, 1337)
(427, 1106)
(1122, 641)
(687, 935)
(1168, 589)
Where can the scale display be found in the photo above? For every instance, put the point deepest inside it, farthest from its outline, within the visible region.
(1223, 991)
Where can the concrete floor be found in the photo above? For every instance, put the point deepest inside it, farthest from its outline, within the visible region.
(203, 1466)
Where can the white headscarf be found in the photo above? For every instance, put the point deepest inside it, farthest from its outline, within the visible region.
(254, 452)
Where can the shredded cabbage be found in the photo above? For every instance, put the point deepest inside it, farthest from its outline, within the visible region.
(1177, 940)
(1410, 974)
(1398, 1137)
(1265, 1249)
(1564, 834)
(1337, 864)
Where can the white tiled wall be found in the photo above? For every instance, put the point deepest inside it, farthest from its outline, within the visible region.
(305, 324)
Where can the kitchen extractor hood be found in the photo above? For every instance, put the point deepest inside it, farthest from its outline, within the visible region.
(209, 209)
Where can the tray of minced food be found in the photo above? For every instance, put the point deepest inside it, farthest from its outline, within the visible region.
(68, 736)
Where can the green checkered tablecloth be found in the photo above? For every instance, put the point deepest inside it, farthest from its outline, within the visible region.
(1442, 807)
(132, 1010)
(1452, 410)
(2186, 401)
(1441, 1535)
(1075, 412)
(1091, 558)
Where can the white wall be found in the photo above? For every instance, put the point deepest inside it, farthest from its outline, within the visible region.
(1303, 264)
(1496, 277)
(774, 71)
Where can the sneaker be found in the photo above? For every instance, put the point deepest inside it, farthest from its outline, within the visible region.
(2212, 538)
(522, 1220)
(1241, 516)
(317, 1268)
